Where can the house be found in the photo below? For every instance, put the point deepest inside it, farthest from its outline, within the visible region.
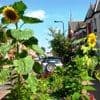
(76, 29)
(80, 31)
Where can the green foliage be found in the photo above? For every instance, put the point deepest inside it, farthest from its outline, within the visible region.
(60, 45)
(97, 74)
(20, 7)
(31, 20)
(21, 35)
(4, 75)
(1, 8)
(37, 49)
(85, 76)
(4, 48)
(31, 41)
(32, 83)
(24, 65)
(76, 96)
(37, 68)
(4, 21)
(89, 88)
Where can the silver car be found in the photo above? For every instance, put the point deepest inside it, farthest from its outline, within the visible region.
(49, 63)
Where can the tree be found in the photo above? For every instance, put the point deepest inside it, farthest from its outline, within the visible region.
(61, 46)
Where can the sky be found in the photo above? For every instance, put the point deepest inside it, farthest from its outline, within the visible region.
(50, 11)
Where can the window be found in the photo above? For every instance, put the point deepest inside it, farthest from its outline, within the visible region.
(95, 25)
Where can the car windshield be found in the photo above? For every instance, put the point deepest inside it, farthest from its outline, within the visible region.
(51, 59)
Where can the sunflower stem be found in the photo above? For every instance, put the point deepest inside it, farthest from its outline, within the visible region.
(16, 24)
(22, 25)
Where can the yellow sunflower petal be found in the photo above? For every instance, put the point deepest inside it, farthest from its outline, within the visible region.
(91, 40)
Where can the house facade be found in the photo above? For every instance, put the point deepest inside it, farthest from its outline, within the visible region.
(96, 18)
(76, 29)
(89, 19)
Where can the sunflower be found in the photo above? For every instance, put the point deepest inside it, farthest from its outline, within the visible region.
(91, 40)
(10, 14)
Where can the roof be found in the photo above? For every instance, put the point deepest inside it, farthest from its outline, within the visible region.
(97, 6)
(80, 25)
(90, 11)
(75, 25)
(72, 25)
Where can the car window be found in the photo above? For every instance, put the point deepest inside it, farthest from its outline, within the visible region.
(53, 60)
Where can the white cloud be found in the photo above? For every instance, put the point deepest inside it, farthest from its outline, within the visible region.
(37, 14)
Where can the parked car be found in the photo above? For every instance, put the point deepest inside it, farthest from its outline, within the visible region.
(49, 63)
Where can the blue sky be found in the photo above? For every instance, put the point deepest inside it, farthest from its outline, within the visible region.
(50, 10)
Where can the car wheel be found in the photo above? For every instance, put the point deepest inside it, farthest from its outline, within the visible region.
(50, 67)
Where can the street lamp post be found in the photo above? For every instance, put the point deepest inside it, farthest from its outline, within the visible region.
(62, 25)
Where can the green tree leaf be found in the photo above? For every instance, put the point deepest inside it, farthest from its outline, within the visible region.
(21, 35)
(31, 20)
(24, 65)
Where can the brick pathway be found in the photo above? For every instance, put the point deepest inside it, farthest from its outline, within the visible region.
(3, 91)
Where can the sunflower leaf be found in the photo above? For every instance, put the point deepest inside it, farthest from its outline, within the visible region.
(4, 21)
(1, 8)
(32, 83)
(24, 65)
(21, 35)
(20, 7)
(31, 41)
(37, 67)
(31, 20)
(37, 49)
(4, 48)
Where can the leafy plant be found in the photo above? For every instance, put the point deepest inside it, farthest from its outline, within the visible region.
(16, 61)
